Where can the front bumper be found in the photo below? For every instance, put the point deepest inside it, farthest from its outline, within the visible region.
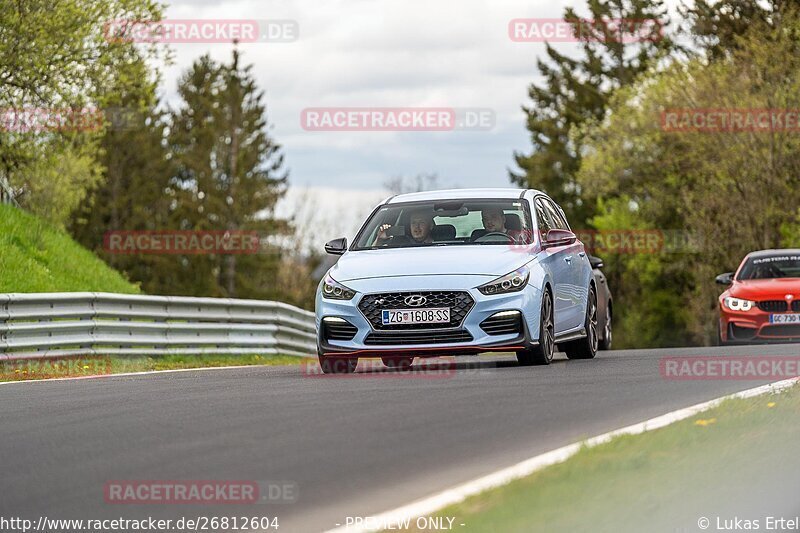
(754, 326)
(527, 302)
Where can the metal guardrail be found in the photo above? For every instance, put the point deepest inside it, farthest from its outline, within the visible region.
(41, 325)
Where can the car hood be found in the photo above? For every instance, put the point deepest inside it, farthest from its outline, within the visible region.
(766, 289)
(487, 260)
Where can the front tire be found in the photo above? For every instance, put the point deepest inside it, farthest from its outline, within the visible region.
(337, 365)
(586, 348)
(543, 353)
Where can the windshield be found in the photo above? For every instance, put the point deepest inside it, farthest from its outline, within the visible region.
(446, 223)
(774, 266)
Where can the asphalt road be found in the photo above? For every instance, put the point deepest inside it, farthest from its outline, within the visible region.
(354, 446)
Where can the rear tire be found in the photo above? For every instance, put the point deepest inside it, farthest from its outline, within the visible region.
(543, 353)
(605, 344)
(586, 348)
(337, 365)
(398, 363)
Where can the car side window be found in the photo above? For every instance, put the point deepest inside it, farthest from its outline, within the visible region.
(559, 222)
(543, 221)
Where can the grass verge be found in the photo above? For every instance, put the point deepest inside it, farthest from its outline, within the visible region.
(35, 257)
(737, 460)
(89, 365)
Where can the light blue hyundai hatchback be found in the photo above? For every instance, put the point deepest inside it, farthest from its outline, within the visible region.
(458, 272)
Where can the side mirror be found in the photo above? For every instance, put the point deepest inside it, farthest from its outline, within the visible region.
(336, 246)
(725, 279)
(596, 262)
(558, 237)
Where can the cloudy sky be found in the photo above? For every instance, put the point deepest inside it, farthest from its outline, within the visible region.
(384, 53)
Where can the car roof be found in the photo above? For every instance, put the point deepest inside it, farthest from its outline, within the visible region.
(458, 194)
(774, 251)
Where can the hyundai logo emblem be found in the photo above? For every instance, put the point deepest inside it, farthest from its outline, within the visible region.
(415, 300)
(789, 297)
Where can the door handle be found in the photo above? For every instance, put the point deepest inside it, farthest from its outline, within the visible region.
(582, 254)
(568, 259)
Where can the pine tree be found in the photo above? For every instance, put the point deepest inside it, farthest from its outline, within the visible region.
(718, 25)
(575, 90)
(229, 173)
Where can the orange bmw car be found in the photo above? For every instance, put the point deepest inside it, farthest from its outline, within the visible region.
(762, 302)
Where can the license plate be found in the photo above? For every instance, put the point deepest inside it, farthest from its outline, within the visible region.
(432, 315)
(787, 318)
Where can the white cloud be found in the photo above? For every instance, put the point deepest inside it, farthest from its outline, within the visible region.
(382, 53)
(391, 53)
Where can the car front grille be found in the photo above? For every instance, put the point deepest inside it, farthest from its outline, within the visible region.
(418, 337)
(796, 305)
(781, 330)
(459, 302)
(503, 325)
(773, 306)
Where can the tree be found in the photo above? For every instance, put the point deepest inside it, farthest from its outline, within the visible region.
(577, 90)
(734, 192)
(57, 182)
(718, 25)
(229, 174)
(134, 193)
(56, 58)
(58, 51)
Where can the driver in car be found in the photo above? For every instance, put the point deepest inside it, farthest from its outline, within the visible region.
(494, 220)
(421, 224)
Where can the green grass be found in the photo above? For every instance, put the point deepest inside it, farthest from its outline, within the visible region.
(725, 460)
(35, 257)
(88, 365)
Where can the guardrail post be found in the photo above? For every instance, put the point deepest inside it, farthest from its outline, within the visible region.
(4, 315)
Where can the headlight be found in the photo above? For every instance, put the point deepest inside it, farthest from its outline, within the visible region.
(736, 304)
(513, 282)
(333, 290)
